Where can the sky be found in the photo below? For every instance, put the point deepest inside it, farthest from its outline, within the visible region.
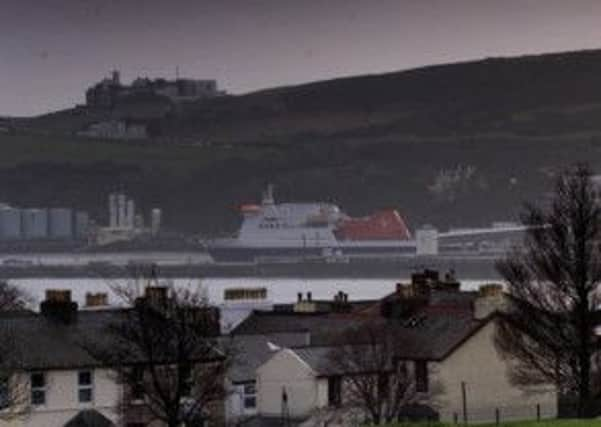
(52, 50)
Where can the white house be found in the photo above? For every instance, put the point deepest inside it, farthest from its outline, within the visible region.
(449, 342)
(54, 381)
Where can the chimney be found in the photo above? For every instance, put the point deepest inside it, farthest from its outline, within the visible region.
(309, 296)
(58, 306)
(490, 299)
(156, 295)
(94, 300)
(299, 297)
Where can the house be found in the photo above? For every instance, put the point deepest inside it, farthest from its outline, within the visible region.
(54, 379)
(447, 336)
(250, 352)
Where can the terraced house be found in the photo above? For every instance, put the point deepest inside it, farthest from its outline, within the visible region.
(52, 379)
(445, 336)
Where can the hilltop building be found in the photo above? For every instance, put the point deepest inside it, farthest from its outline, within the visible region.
(109, 91)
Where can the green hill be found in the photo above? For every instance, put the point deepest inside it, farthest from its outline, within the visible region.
(459, 144)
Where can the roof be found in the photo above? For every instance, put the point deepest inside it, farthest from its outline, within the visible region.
(89, 418)
(42, 343)
(432, 332)
(435, 340)
(319, 360)
(251, 351)
(323, 327)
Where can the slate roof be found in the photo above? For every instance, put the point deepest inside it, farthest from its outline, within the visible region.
(431, 332)
(323, 327)
(433, 340)
(251, 351)
(43, 343)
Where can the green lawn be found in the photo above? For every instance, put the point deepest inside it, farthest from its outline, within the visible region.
(544, 423)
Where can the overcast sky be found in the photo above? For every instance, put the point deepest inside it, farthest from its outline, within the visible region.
(51, 50)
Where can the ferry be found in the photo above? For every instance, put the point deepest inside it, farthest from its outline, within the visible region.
(319, 232)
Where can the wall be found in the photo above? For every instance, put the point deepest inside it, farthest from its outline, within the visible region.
(62, 402)
(234, 404)
(479, 365)
(285, 369)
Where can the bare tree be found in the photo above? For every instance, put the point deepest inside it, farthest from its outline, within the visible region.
(164, 349)
(13, 298)
(13, 388)
(552, 280)
(374, 379)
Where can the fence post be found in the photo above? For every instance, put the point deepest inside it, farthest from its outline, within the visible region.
(538, 412)
(464, 399)
(497, 417)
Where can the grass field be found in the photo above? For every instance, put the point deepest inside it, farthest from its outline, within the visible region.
(544, 423)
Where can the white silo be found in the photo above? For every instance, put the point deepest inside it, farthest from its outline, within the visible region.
(10, 223)
(60, 223)
(426, 240)
(82, 223)
(139, 222)
(131, 212)
(121, 209)
(155, 221)
(34, 223)
(112, 210)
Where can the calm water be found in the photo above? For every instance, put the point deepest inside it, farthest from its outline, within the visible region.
(279, 290)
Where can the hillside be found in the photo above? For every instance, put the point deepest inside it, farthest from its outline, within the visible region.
(526, 96)
(459, 144)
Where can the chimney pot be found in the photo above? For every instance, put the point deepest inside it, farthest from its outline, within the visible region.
(99, 299)
(156, 295)
(58, 306)
(58, 295)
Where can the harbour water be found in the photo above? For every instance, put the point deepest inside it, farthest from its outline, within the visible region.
(279, 290)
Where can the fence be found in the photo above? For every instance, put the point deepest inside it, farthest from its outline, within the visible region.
(499, 415)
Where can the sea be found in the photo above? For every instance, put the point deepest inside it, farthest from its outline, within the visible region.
(279, 290)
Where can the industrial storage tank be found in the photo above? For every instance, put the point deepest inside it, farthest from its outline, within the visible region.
(10, 223)
(155, 221)
(34, 223)
(60, 223)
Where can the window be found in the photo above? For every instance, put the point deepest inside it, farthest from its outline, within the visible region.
(137, 383)
(334, 391)
(85, 386)
(4, 393)
(421, 376)
(250, 396)
(38, 388)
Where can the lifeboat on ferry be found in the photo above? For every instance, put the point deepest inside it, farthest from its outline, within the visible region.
(249, 209)
(386, 224)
